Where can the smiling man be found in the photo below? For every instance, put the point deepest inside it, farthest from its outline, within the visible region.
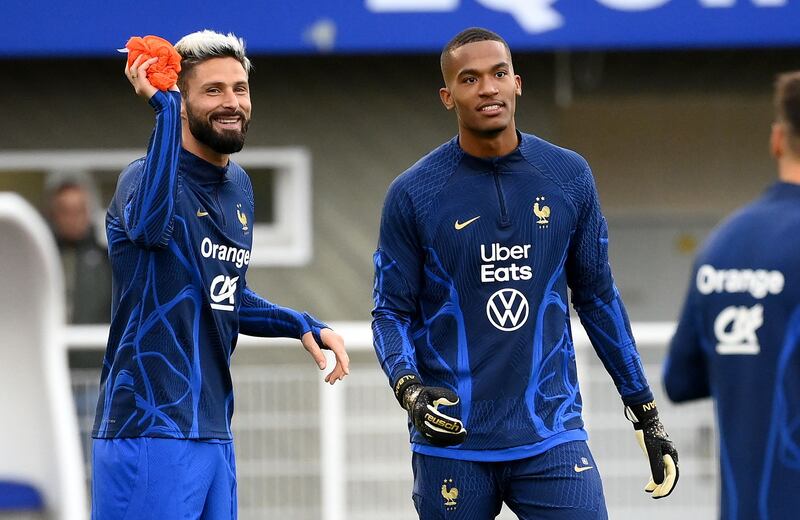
(179, 240)
(479, 241)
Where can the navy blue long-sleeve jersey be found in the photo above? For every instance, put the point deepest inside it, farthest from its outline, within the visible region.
(179, 238)
(737, 341)
(471, 275)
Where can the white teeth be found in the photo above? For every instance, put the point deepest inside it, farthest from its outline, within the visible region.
(490, 107)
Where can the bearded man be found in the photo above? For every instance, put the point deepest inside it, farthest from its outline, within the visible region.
(179, 246)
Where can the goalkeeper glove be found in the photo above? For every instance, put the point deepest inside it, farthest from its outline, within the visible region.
(422, 404)
(656, 446)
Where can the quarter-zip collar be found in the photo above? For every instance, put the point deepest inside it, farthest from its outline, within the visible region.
(201, 171)
(508, 163)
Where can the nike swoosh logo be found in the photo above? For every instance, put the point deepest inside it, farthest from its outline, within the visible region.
(580, 469)
(201, 213)
(461, 225)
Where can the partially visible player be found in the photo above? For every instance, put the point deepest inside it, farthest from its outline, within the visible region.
(738, 339)
(179, 235)
(479, 241)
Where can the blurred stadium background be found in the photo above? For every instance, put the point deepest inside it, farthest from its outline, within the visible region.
(669, 101)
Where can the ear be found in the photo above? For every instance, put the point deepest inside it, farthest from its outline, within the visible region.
(518, 81)
(447, 98)
(184, 117)
(777, 138)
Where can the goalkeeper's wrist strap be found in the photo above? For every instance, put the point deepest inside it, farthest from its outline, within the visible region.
(639, 414)
(404, 383)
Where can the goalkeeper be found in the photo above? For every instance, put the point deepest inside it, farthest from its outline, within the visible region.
(478, 243)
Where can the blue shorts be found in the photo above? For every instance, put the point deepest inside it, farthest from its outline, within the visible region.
(562, 483)
(155, 479)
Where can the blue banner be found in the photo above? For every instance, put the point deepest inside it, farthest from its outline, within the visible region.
(98, 27)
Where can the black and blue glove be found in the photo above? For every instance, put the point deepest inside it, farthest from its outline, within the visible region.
(657, 447)
(422, 404)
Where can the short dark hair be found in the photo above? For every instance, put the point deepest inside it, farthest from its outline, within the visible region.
(787, 106)
(471, 35)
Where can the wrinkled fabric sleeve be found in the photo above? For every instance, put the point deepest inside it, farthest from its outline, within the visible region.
(262, 318)
(686, 367)
(597, 300)
(398, 264)
(149, 206)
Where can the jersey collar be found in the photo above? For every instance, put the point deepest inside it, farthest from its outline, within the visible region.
(200, 170)
(512, 162)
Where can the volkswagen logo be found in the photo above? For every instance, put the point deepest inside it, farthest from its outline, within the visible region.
(507, 309)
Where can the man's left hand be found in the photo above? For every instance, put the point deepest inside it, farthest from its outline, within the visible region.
(333, 342)
(657, 447)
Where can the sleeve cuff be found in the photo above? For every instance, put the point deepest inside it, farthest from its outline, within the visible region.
(314, 326)
(402, 382)
(161, 100)
(642, 396)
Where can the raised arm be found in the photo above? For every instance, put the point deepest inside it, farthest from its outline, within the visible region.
(150, 202)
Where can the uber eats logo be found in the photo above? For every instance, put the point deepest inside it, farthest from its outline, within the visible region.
(500, 263)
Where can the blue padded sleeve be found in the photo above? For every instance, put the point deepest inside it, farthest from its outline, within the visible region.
(150, 202)
(260, 317)
(596, 299)
(398, 266)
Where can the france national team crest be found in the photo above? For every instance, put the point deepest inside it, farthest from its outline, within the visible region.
(507, 309)
(449, 494)
(542, 212)
(242, 218)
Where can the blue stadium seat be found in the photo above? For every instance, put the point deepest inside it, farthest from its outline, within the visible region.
(19, 496)
(41, 463)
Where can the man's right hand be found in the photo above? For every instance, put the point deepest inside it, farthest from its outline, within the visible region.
(422, 404)
(137, 75)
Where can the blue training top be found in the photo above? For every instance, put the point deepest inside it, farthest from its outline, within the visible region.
(471, 275)
(737, 341)
(179, 238)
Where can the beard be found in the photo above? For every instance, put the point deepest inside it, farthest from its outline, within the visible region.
(224, 142)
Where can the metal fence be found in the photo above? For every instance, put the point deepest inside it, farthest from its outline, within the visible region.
(306, 450)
